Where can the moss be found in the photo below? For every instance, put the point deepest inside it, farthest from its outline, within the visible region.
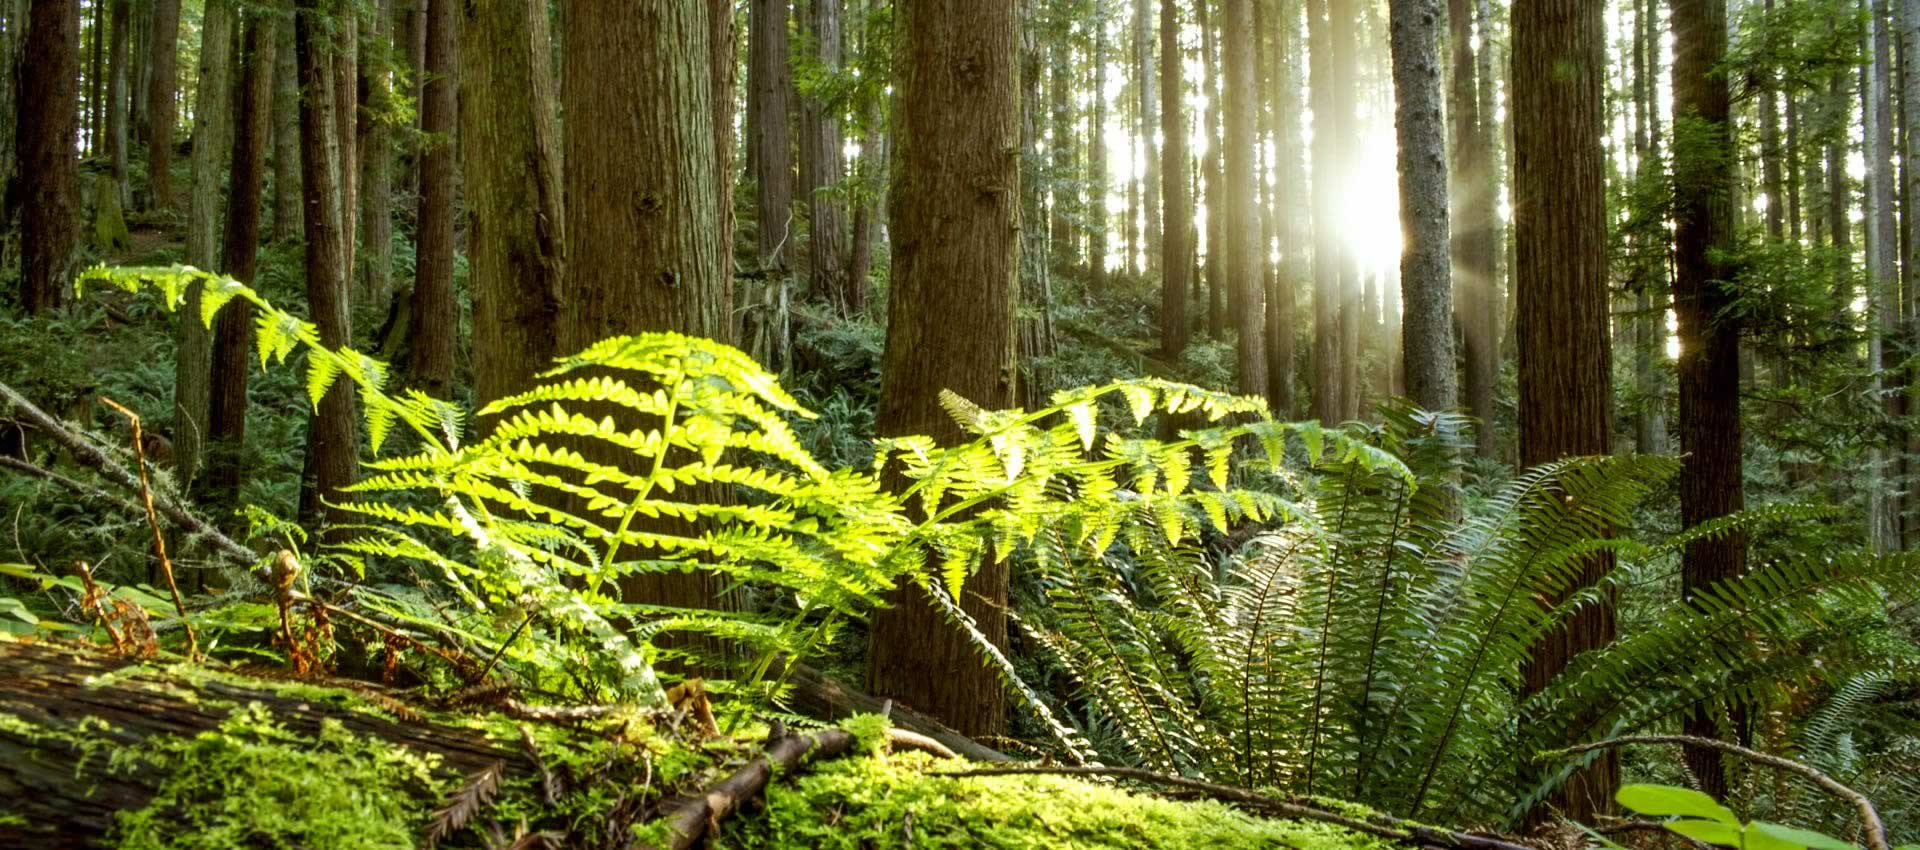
(894, 801)
(252, 783)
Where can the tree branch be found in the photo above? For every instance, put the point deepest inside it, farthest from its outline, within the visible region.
(1869, 817)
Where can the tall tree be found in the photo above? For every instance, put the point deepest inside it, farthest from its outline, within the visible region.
(643, 190)
(117, 97)
(1213, 169)
(162, 61)
(822, 165)
(1327, 254)
(331, 461)
(233, 329)
(286, 137)
(1151, 187)
(194, 354)
(1560, 281)
(346, 115)
(1097, 188)
(511, 165)
(1709, 368)
(431, 317)
(1243, 261)
(375, 128)
(1284, 108)
(1426, 280)
(769, 144)
(1883, 264)
(1649, 262)
(48, 120)
(1472, 221)
(950, 315)
(1176, 237)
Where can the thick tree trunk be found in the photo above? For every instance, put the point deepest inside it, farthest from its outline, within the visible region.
(431, 319)
(1650, 327)
(950, 316)
(1283, 114)
(1426, 281)
(233, 329)
(1709, 368)
(48, 122)
(194, 352)
(1560, 281)
(286, 137)
(332, 462)
(1242, 260)
(643, 220)
(1176, 237)
(821, 170)
(1907, 18)
(162, 61)
(511, 162)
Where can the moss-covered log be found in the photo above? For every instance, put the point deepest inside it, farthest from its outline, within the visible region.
(78, 729)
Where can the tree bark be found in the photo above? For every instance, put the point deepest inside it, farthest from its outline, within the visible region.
(511, 162)
(286, 138)
(1065, 189)
(1907, 19)
(1709, 368)
(233, 328)
(1242, 260)
(955, 214)
(431, 319)
(770, 148)
(332, 462)
(1474, 191)
(1426, 279)
(162, 61)
(346, 111)
(117, 98)
(1214, 174)
(1883, 270)
(1151, 186)
(1327, 253)
(1097, 187)
(1176, 237)
(1560, 280)
(375, 130)
(821, 169)
(49, 171)
(194, 352)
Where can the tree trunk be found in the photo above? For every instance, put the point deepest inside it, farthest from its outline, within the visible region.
(1560, 281)
(1472, 221)
(1151, 186)
(955, 209)
(1327, 254)
(431, 318)
(1426, 279)
(1709, 368)
(161, 63)
(375, 130)
(1883, 270)
(49, 172)
(332, 461)
(1907, 17)
(821, 169)
(233, 329)
(117, 99)
(1214, 175)
(286, 137)
(1097, 161)
(1066, 183)
(1242, 260)
(194, 352)
(770, 150)
(643, 220)
(1290, 193)
(1176, 237)
(346, 112)
(511, 162)
(722, 79)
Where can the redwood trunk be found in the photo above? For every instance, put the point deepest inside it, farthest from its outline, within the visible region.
(162, 62)
(1177, 236)
(49, 171)
(955, 214)
(1560, 280)
(1426, 279)
(331, 462)
(1242, 260)
(821, 170)
(431, 329)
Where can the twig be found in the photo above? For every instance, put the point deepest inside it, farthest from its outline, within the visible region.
(84, 489)
(1876, 831)
(1382, 826)
(153, 521)
(92, 455)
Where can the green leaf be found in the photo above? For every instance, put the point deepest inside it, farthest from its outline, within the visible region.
(1711, 832)
(14, 608)
(1139, 400)
(1082, 415)
(1800, 837)
(1668, 800)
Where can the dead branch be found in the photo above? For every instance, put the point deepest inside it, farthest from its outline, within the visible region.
(1383, 826)
(153, 522)
(1876, 831)
(80, 488)
(692, 818)
(93, 456)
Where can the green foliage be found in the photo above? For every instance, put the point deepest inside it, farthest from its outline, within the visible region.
(1370, 645)
(1700, 818)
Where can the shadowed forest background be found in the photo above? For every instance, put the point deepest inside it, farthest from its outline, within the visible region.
(1408, 402)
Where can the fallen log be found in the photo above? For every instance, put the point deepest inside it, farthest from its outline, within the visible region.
(828, 701)
(66, 713)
